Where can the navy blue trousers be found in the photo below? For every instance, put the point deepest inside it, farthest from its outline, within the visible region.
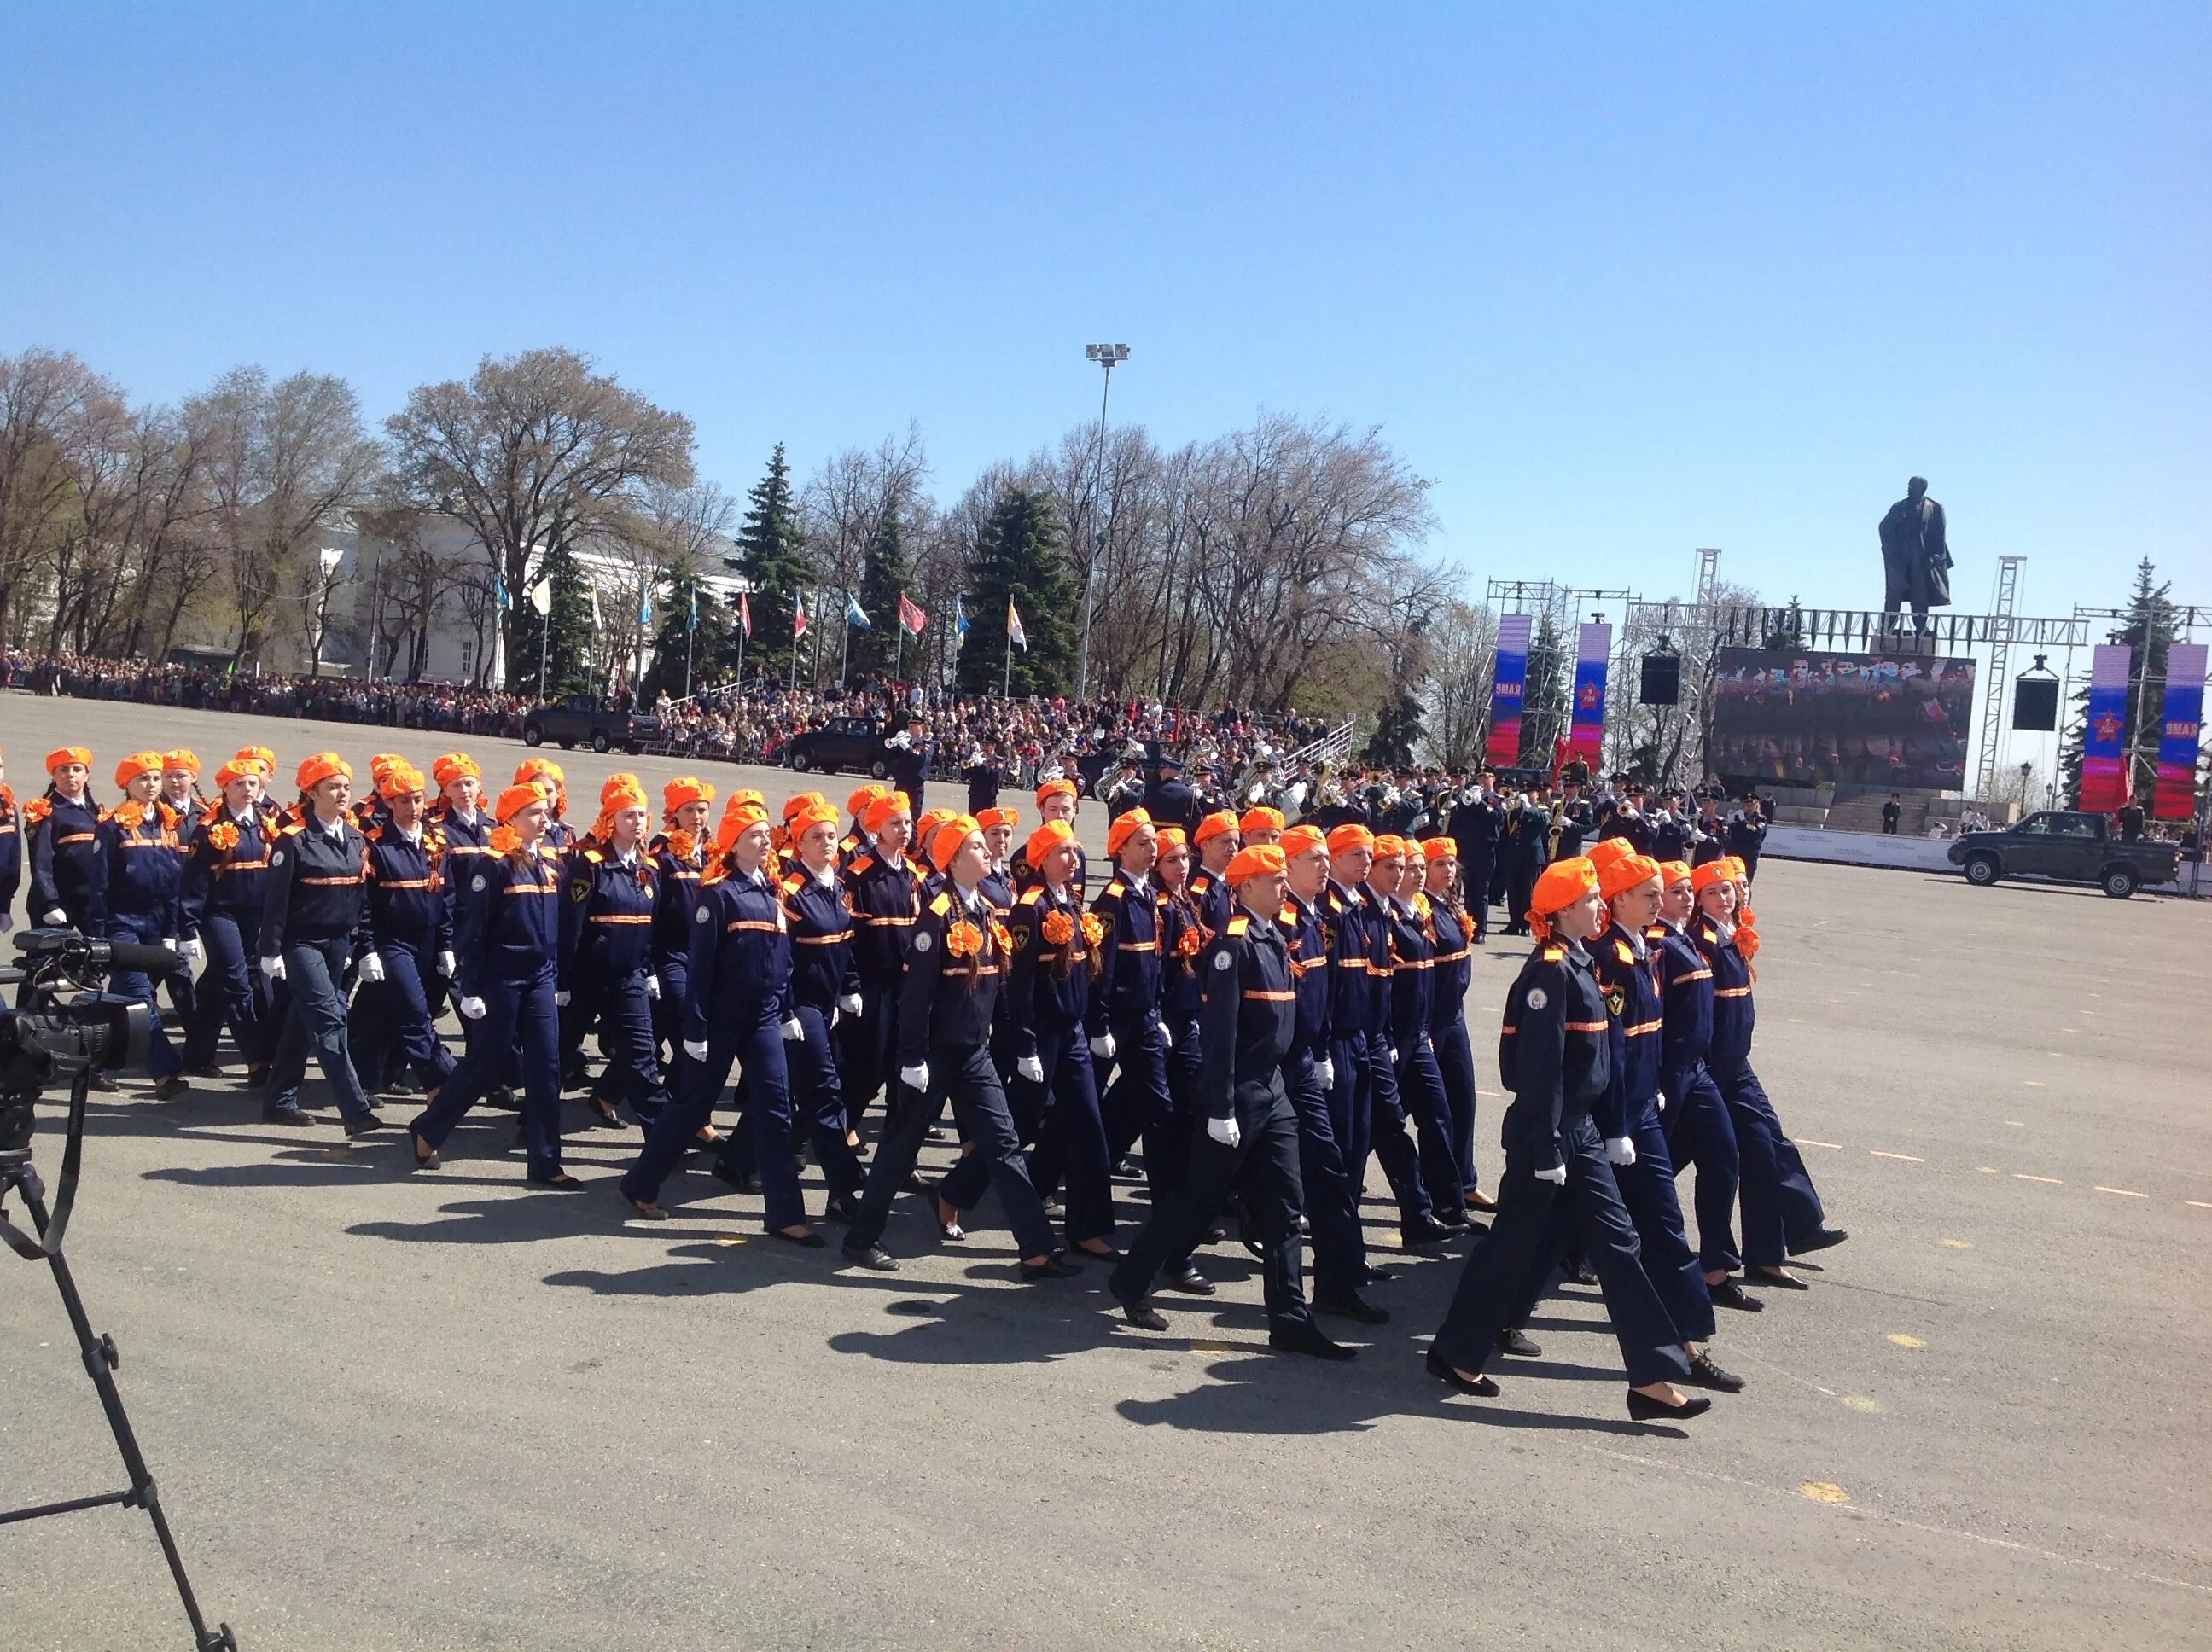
(1069, 1132)
(818, 1094)
(1140, 1104)
(1348, 1109)
(1700, 1134)
(1425, 1101)
(316, 1021)
(231, 989)
(521, 1026)
(618, 1007)
(1388, 1136)
(1647, 1187)
(967, 1079)
(1779, 1203)
(1331, 1203)
(1455, 1061)
(391, 1025)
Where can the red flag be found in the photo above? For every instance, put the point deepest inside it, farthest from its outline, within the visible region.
(798, 619)
(911, 618)
(745, 614)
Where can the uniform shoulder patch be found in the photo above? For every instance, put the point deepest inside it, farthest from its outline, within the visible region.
(860, 864)
(941, 905)
(1221, 958)
(594, 856)
(1239, 924)
(1616, 1000)
(699, 914)
(579, 889)
(477, 883)
(1537, 998)
(921, 941)
(793, 884)
(1030, 896)
(1626, 952)
(1553, 954)
(1289, 914)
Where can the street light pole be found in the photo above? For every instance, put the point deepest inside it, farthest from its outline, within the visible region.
(1108, 356)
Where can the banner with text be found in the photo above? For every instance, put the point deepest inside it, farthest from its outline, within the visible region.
(1509, 682)
(1586, 733)
(2179, 734)
(2103, 783)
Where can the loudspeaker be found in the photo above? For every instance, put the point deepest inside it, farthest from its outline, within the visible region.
(1661, 682)
(2035, 703)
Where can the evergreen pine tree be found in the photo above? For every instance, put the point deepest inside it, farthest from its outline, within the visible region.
(1018, 555)
(1544, 698)
(2150, 630)
(772, 559)
(567, 633)
(712, 651)
(883, 576)
(1397, 731)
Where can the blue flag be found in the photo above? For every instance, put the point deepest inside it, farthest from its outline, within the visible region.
(852, 614)
(498, 591)
(645, 609)
(960, 618)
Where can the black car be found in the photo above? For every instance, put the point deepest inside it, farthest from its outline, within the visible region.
(841, 745)
(580, 719)
(2075, 848)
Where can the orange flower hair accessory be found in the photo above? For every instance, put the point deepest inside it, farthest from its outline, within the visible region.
(36, 810)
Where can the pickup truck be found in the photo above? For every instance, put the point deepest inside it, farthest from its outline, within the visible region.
(2074, 848)
(842, 744)
(581, 720)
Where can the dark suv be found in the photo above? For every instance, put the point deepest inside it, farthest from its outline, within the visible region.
(580, 720)
(2076, 848)
(844, 744)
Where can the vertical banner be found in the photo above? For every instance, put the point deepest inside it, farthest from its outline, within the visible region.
(1586, 733)
(1509, 682)
(2177, 733)
(2104, 787)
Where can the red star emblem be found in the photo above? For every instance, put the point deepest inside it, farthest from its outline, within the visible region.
(1590, 696)
(2108, 729)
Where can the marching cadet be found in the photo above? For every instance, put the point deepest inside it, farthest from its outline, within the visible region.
(1183, 932)
(310, 914)
(1056, 800)
(954, 984)
(998, 826)
(825, 984)
(559, 835)
(1216, 841)
(407, 941)
(1444, 883)
(856, 840)
(679, 859)
(1553, 1055)
(1352, 929)
(737, 1009)
(11, 853)
(1419, 1176)
(1699, 1129)
(1248, 1023)
(1050, 955)
(883, 885)
(464, 826)
(1260, 826)
(67, 868)
(606, 976)
(140, 900)
(181, 793)
(507, 948)
(1415, 950)
(226, 881)
(1331, 1203)
(1124, 1024)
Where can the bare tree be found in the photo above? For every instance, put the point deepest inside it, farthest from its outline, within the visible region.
(55, 412)
(535, 452)
(1463, 653)
(846, 503)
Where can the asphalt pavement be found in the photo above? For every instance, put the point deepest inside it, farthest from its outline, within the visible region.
(396, 1411)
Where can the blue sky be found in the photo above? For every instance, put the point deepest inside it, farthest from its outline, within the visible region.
(1622, 281)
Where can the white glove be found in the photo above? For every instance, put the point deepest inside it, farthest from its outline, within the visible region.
(561, 1000)
(194, 951)
(653, 986)
(1102, 1046)
(915, 1077)
(372, 967)
(169, 943)
(793, 1032)
(56, 916)
(1167, 1038)
(1225, 1130)
(850, 1003)
(696, 1049)
(1327, 1068)
(1618, 1150)
(1393, 1057)
(446, 965)
(1557, 1176)
(473, 1008)
(1030, 1067)
(273, 967)
(1660, 1097)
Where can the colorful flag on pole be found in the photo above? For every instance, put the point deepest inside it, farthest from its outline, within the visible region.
(744, 611)
(1509, 681)
(541, 596)
(959, 619)
(693, 624)
(2174, 797)
(852, 614)
(1014, 629)
(912, 620)
(798, 619)
(644, 609)
(2104, 779)
(498, 591)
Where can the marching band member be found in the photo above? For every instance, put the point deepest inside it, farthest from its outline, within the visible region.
(310, 914)
(606, 978)
(952, 989)
(67, 868)
(825, 984)
(507, 947)
(226, 881)
(407, 941)
(140, 900)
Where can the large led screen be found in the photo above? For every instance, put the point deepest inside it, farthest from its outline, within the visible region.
(1790, 717)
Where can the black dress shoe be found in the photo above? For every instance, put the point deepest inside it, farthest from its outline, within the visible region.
(258, 1075)
(1421, 1235)
(1144, 1315)
(1307, 1338)
(1054, 1266)
(1729, 1294)
(502, 1097)
(871, 1256)
(1579, 1272)
(1644, 1409)
(1188, 1280)
(1214, 1235)
(1773, 1277)
(809, 1240)
(1440, 1369)
(171, 1085)
(1516, 1342)
(1703, 1374)
(361, 1123)
(1349, 1305)
(841, 1208)
(735, 1179)
(604, 1116)
(1821, 1239)
(202, 1070)
(1378, 1276)
(561, 1182)
(101, 1081)
(1454, 1219)
(1248, 1234)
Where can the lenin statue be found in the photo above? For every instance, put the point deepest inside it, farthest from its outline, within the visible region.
(1915, 561)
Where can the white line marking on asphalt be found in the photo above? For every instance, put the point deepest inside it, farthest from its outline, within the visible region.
(2122, 1192)
(1907, 1157)
(2022, 1175)
(1807, 1141)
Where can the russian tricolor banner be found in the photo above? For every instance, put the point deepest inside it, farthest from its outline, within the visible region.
(1586, 732)
(2178, 740)
(2104, 781)
(1509, 682)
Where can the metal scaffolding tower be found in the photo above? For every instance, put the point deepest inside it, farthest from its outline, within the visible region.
(1993, 691)
(1709, 573)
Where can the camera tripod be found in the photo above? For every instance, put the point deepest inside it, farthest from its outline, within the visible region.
(42, 1243)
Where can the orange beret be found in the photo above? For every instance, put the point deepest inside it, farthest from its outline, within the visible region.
(1213, 825)
(1052, 787)
(1734, 864)
(451, 767)
(400, 778)
(181, 760)
(69, 754)
(1171, 837)
(1046, 838)
(238, 770)
(685, 788)
(1561, 884)
(881, 809)
(1712, 872)
(857, 804)
(1607, 850)
(137, 764)
(1124, 828)
(1299, 839)
(799, 801)
(1261, 820)
(1261, 860)
(260, 754)
(1673, 871)
(991, 817)
(530, 768)
(1389, 846)
(945, 841)
(1350, 835)
(1625, 873)
(814, 814)
(321, 767)
(621, 791)
(745, 796)
(1435, 848)
(514, 801)
(738, 817)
